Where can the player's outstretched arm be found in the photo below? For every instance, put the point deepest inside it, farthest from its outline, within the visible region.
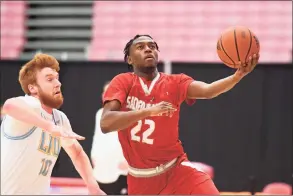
(29, 112)
(201, 90)
(80, 161)
(82, 164)
(113, 119)
(22, 111)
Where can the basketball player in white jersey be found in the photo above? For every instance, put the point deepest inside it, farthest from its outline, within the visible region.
(33, 132)
(109, 165)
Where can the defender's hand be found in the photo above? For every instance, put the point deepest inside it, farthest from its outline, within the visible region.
(60, 132)
(162, 108)
(246, 68)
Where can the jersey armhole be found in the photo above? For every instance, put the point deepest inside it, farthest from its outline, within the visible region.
(17, 137)
(109, 100)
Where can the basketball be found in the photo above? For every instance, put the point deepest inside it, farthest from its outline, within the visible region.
(237, 44)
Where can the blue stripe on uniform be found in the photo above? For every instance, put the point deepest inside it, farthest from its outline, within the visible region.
(21, 137)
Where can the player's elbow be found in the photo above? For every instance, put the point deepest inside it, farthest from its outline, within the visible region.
(108, 122)
(105, 126)
(105, 129)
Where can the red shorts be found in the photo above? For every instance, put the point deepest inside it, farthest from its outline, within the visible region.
(183, 178)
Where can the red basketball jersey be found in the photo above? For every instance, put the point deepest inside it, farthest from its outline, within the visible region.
(153, 140)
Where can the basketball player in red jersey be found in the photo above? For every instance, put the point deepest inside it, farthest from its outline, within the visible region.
(144, 106)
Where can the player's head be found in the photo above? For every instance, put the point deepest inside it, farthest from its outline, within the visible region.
(141, 53)
(39, 78)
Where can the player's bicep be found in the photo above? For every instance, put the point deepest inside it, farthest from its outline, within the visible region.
(197, 90)
(109, 113)
(31, 103)
(17, 127)
(14, 128)
(113, 105)
(71, 146)
(66, 142)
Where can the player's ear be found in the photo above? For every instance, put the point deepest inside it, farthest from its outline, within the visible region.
(129, 60)
(32, 88)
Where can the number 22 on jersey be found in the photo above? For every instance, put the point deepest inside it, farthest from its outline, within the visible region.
(145, 135)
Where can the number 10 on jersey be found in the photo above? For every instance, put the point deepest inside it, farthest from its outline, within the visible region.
(145, 135)
(46, 164)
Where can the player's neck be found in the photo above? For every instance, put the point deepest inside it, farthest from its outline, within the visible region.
(147, 76)
(47, 109)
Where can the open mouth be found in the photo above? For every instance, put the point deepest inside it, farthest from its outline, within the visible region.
(57, 93)
(149, 57)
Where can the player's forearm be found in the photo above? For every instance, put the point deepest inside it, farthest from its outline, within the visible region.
(21, 111)
(118, 120)
(221, 86)
(83, 166)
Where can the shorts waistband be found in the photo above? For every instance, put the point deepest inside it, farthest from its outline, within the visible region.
(143, 173)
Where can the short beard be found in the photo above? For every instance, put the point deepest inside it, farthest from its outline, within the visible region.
(50, 100)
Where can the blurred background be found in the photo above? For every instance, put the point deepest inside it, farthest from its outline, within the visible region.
(243, 137)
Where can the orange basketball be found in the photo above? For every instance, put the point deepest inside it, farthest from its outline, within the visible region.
(237, 44)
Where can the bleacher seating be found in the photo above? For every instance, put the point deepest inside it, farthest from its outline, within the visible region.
(188, 30)
(12, 28)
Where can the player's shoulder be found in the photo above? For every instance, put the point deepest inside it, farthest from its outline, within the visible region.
(60, 112)
(29, 99)
(32, 101)
(175, 77)
(60, 115)
(123, 78)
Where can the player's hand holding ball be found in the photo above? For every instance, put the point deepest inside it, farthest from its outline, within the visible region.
(238, 48)
(245, 68)
(162, 108)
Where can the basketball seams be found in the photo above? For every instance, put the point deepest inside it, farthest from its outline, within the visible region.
(236, 45)
(226, 52)
(249, 45)
(225, 61)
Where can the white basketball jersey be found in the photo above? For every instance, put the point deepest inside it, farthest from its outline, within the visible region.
(27, 159)
(108, 159)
